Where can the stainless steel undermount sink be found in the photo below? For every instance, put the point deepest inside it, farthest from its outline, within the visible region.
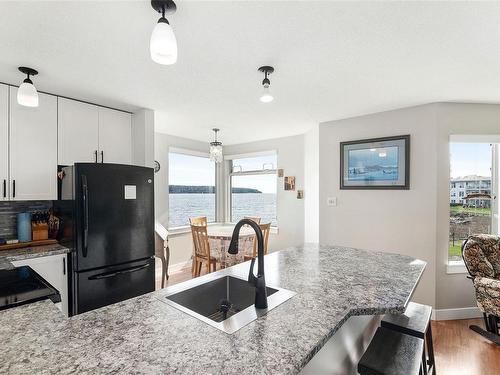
(208, 302)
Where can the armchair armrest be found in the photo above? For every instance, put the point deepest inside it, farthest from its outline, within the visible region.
(488, 295)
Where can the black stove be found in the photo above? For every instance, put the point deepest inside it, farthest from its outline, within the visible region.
(22, 285)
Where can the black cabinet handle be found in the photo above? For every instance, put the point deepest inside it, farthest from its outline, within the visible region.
(95, 156)
(64, 266)
(13, 188)
(120, 272)
(5, 188)
(102, 156)
(85, 198)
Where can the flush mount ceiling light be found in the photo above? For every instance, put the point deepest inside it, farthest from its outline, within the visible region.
(27, 94)
(266, 96)
(163, 44)
(216, 149)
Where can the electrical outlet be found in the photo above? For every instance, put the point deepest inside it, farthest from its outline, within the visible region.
(331, 201)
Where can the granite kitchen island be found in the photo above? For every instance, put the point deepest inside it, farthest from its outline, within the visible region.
(145, 335)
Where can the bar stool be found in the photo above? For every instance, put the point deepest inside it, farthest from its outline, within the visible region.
(392, 353)
(415, 322)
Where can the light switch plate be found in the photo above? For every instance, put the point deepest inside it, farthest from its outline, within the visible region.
(331, 201)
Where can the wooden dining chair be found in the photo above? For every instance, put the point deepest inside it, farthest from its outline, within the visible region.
(266, 230)
(162, 251)
(201, 220)
(256, 219)
(202, 250)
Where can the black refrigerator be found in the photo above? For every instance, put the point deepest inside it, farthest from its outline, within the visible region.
(106, 214)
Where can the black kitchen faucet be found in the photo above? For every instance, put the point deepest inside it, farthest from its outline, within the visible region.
(258, 281)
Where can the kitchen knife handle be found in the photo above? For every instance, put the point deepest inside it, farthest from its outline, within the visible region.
(13, 188)
(85, 199)
(95, 156)
(5, 188)
(102, 156)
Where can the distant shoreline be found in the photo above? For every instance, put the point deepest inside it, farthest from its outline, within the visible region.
(186, 189)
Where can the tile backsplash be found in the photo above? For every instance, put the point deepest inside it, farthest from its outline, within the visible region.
(9, 210)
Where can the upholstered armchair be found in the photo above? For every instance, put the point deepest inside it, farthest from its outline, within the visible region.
(481, 254)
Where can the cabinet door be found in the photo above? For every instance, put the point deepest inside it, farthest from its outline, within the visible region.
(78, 127)
(33, 149)
(115, 136)
(4, 142)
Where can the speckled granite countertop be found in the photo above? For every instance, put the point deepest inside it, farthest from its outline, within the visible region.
(8, 256)
(145, 335)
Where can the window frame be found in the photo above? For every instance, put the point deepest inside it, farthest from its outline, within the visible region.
(229, 187)
(194, 153)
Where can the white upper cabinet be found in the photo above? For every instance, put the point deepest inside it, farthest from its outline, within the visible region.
(115, 136)
(33, 149)
(78, 125)
(4, 142)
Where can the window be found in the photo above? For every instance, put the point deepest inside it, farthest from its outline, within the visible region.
(470, 170)
(253, 188)
(191, 182)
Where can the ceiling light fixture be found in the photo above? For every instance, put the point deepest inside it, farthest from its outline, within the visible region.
(216, 149)
(27, 94)
(163, 44)
(266, 96)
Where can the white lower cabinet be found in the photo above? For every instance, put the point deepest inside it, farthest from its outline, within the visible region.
(53, 269)
(33, 149)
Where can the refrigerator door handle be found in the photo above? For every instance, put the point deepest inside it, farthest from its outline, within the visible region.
(85, 198)
(115, 273)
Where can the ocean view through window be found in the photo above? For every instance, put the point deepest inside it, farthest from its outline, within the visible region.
(191, 188)
(254, 187)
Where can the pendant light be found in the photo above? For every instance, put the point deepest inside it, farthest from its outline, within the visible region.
(163, 44)
(266, 96)
(27, 94)
(216, 149)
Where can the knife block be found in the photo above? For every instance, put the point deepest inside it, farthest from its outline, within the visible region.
(40, 231)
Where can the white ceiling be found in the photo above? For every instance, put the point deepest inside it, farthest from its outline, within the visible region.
(332, 60)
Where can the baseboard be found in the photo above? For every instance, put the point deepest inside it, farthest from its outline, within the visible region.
(454, 314)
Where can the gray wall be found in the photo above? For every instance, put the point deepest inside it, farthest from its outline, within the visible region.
(414, 222)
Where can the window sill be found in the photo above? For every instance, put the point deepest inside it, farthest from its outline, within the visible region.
(456, 266)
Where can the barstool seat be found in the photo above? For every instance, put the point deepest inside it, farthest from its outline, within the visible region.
(392, 353)
(415, 322)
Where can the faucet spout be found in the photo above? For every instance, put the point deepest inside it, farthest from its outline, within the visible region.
(258, 281)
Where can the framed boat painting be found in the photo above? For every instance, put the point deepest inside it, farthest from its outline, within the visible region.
(377, 163)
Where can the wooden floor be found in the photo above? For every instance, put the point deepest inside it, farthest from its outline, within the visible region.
(458, 350)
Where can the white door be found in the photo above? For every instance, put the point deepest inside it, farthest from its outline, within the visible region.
(33, 149)
(4, 142)
(78, 132)
(115, 136)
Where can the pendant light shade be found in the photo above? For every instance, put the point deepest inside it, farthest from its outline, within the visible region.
(216, 154)
(266, 96)
(26, 94)
(163, 43)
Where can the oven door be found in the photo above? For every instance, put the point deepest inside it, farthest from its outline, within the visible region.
(22, 285)
(105, 286)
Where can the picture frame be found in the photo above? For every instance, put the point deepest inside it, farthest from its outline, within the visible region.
(375, 163)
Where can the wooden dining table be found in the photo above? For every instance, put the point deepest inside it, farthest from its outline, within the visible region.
(219, 236)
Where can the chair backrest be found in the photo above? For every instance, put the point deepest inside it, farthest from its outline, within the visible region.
(256, 219)
(481, 254)
(202, 220)
(200, 241)
(266, 229)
